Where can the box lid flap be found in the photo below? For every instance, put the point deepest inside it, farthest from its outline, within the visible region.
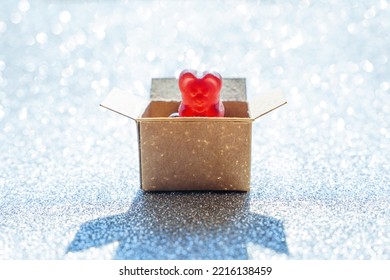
(266, 103)
(167, 89)
(124, 103)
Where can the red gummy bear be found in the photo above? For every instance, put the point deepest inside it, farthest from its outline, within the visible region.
(200, 94)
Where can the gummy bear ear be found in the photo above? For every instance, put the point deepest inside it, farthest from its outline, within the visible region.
(215, 79)
(186, 77)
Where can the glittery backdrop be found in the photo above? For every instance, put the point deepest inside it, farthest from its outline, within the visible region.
(69, 186)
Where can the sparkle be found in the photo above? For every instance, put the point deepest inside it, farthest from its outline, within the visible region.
(41, 38)
(16, 18)
(3, 26)
(367, 66)
(65, 16)
(315, 79)
(340, 124)
(370, 13)
(24, 5)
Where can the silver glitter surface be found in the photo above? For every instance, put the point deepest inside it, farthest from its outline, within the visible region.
(69, 185)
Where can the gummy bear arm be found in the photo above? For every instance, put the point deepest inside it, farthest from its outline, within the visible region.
(185, 111)
(221, 109)
(217, 110)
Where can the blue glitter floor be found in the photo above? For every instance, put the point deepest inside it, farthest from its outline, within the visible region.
(69, 186)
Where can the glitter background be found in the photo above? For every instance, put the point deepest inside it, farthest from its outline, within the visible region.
(69, 186)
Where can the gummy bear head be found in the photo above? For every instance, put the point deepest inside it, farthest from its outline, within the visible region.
(199, 90)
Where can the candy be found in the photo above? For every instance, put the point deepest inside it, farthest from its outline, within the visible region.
(200, 94)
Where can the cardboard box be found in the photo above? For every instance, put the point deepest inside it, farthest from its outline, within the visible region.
(194, 153)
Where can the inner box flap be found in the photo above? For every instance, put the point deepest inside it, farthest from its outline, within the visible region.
(266, 103)
(125, 103)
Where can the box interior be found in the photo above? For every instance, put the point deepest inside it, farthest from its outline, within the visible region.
(162, 109)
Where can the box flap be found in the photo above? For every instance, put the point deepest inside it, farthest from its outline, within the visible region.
(266, 103)
(167, 89)
(124, 103)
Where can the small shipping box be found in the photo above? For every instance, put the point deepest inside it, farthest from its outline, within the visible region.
(193, 153)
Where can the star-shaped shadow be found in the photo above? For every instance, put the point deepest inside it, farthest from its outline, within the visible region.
(183, 226)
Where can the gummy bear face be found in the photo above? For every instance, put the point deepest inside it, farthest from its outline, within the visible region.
(200, 91)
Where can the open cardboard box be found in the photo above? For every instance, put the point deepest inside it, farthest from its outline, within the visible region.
(193, 153)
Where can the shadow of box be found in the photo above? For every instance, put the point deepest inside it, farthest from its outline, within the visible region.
(193, 153)
(184, 225)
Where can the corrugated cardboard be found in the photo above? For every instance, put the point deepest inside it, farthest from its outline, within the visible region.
(198, 153)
